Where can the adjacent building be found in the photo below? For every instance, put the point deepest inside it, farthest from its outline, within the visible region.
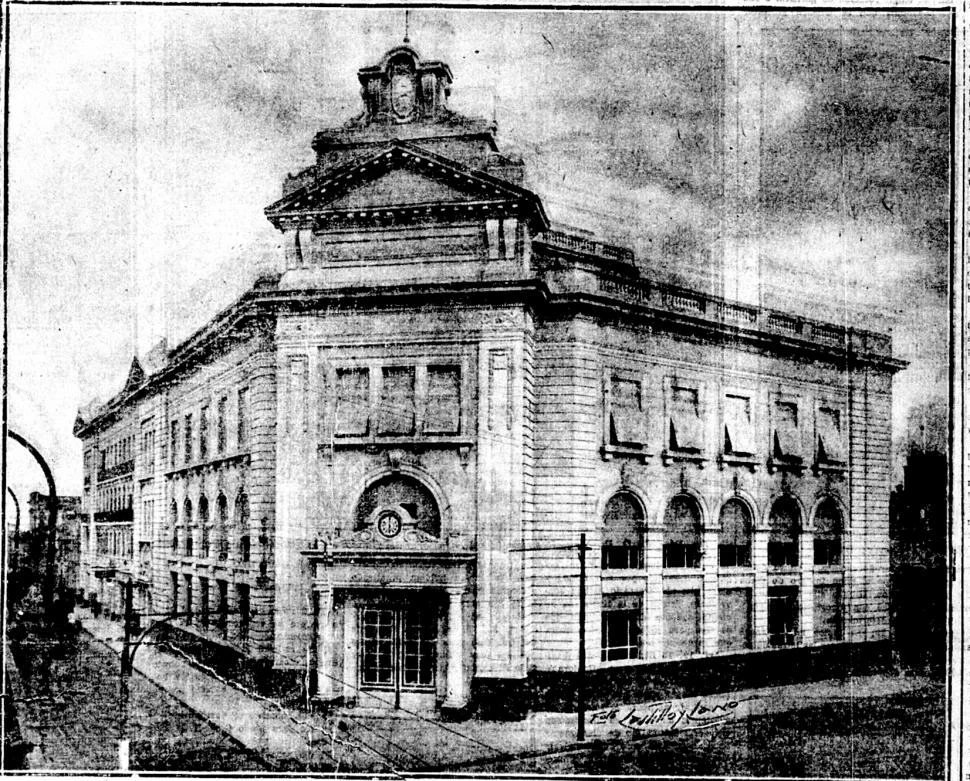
(375, 466)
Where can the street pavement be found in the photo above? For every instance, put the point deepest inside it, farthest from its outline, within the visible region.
(294, 739)
(67, 700)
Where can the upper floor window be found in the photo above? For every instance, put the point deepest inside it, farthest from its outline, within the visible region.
(784, 524)
(828, 533)
(222, 526)
(204, 433)
(396, 414)
(353, 403)
(686, 426)
(242, 419)
(203, 527)
(682, 533)
(622, 533)
(830, 444)
(786, 438)
(442, 403)
(738, 428)
(221, 425)
(173, 448)
(189, 521)
(187, 454)
(627, 424)
(734, 540)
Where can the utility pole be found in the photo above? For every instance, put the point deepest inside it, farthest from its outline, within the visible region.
(123, 739)
(581, 677)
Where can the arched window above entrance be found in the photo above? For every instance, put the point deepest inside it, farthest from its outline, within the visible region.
(396, 501)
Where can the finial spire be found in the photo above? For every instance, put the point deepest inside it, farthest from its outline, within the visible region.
(407, 14)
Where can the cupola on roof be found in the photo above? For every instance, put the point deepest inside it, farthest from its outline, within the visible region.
(404, 88)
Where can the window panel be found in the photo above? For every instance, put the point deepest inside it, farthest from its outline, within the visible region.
(686, 428)
(682, 533)
(187, 450)
(787, 435)
(782, 616)
(621, 627)
(626, 413)
(784, 525)
(831, 448)
(734, 539)
(828, 613)
(396, 413)
(442, 406)
(242, 418)
(681, 623)
(828, 534)
(622, 533)
(353, 403)
(204, 433)
(738, 430)
(734, 619)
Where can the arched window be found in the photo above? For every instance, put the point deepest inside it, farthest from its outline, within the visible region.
(189, 522)
(622, 533)
(828, 533)
(204, 527)
(241, 522)
(682, 533)
(222, 526)
(784, 523)
(395, 502)
(734, 542)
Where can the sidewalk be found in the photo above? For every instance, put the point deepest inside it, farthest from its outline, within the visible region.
(354, 740)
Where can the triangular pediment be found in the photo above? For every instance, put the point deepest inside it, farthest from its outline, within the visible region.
(399, 176)
(136, 375)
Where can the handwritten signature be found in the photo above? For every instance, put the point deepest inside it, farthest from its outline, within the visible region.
(671, 714)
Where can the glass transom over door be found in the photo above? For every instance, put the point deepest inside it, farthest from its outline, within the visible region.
(398, 648)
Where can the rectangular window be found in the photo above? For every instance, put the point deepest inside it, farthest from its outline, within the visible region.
(734, 619)
(442, 405)
(626, 413)
(187, 454)
(681, 623)
(242, 601)
(396, 414)
(353, 403)
(222, 617)
(174, 610)
(242, 419)
(738, 433)
(204, 602)
(204, 433)
(221, 425)
(831, 448)
(828, 613)
(686, 427)
(174, 443)
(787, 445)
(620, 627)
(189, 607)
(782, 616)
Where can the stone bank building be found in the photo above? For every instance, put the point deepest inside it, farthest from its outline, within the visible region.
(375, 466)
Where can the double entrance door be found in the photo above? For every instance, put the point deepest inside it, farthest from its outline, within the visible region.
(398, 649)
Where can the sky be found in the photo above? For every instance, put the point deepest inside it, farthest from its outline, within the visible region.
(144, 144)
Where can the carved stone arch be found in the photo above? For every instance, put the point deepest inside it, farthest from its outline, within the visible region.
(620, 487)
(693, 494)
(766, 512)
(824, 496)
(412, 471)
(746, 498)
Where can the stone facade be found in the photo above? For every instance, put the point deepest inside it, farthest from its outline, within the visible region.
(409, 427)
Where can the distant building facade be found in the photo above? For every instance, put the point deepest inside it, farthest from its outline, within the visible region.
(377, 464)
(69, 531)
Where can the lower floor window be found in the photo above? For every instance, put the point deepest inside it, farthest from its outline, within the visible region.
(620, 627)
(398, 647)
(734, 619)
(681, 623)
(782, 616)
(828, 613)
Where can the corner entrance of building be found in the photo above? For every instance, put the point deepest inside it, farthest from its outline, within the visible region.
(398, 653)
